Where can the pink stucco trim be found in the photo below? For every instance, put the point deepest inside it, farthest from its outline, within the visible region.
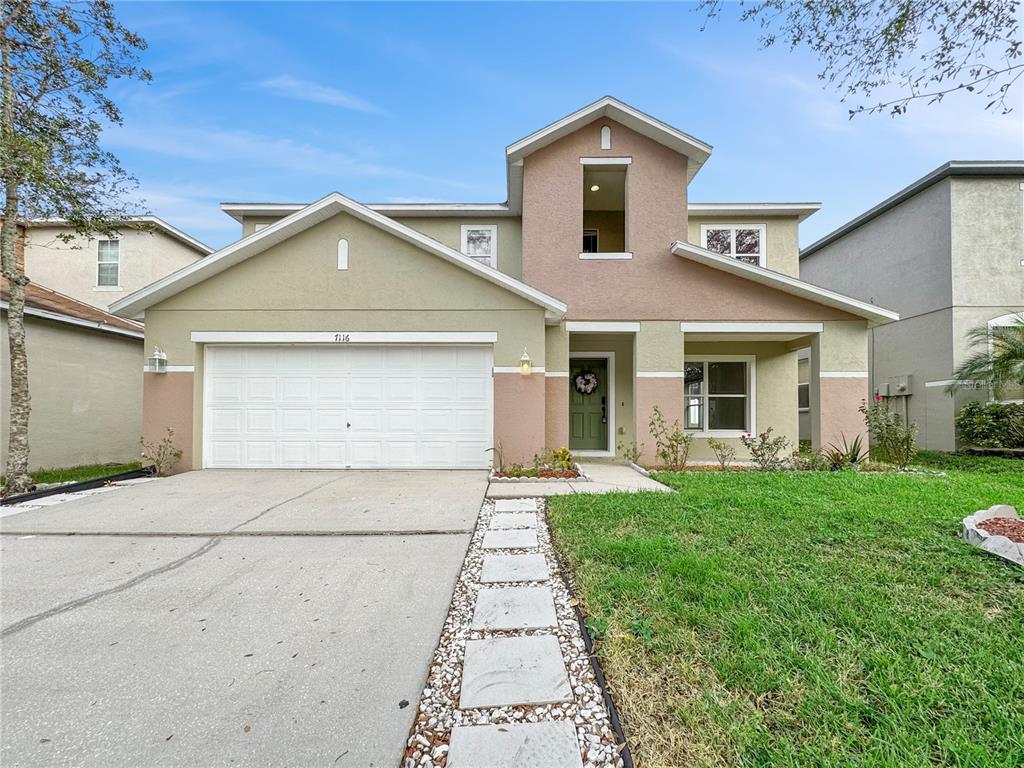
(840, 399)
(519, 406)
(653, 285)
(167, 402)
(665, 393)
(556, 411)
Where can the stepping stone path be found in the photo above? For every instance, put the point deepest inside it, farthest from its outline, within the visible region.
(518, 691)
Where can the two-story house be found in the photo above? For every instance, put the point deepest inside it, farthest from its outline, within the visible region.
(101, 270)
(337, 334)
(85, 364)
(947, 252)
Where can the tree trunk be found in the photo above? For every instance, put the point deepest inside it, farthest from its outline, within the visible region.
(18, 479)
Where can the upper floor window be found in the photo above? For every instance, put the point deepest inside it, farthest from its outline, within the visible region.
(480, 242)
(604, 212)
(108, 264)
(745, 242)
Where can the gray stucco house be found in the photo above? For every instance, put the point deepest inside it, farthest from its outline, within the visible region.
(947, 253)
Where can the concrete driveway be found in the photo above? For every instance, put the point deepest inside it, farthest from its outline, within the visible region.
(228, 618)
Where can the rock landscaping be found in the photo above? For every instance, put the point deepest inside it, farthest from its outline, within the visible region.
(998, 530)
(511, 683)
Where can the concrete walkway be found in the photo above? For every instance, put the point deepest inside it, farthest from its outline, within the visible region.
(501, 670)
(605, 477)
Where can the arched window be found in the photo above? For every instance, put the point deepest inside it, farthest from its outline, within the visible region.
(606, 137)
(343, 254)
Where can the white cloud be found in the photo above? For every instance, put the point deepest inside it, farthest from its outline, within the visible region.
(305, 90)
(241, 148)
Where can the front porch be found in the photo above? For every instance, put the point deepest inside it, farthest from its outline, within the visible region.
(718, 379)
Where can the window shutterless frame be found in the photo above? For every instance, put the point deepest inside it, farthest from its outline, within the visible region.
(733, 229)
(695, 405)
(108, 264)
(472, 235)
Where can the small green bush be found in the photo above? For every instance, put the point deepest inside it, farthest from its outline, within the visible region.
(892, 442)
(991, 425)
(672, 443)
(765, 450)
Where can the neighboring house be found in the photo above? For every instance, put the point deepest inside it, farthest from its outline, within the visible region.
(100, 270)
(947, 252)
(337, 334)
(85, 380)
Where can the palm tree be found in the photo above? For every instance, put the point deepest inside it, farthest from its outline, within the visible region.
(997, 359)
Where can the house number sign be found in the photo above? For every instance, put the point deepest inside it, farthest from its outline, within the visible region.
(342, 337)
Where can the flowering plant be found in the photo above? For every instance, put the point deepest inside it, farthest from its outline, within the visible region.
(765, 449)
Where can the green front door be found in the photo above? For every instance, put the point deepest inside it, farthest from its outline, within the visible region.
(588, 413)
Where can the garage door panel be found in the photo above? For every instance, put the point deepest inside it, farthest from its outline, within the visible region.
(260, 388)
(297, 389)
(348, 406)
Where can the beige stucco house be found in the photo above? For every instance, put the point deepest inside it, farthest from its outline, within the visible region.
(85, 380)
(100, 270)
(338, 334)
(947, 252)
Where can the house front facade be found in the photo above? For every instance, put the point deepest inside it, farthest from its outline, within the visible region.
(337, 334)
(947, 252)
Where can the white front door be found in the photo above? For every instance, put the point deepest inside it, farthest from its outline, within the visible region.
(358, 406)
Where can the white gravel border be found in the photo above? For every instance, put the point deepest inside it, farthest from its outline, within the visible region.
(438, 710)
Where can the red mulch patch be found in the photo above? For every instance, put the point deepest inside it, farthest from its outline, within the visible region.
(549, 474)
(1004, 526)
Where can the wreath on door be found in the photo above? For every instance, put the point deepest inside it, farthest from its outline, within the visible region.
(585, 382)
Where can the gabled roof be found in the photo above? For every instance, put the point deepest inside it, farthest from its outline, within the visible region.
(613, 109)
(873, 314)
(153, 221)
(976, 168)
(45, 303)
(136, 303)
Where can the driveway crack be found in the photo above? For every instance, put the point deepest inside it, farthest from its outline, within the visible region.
(212, 542)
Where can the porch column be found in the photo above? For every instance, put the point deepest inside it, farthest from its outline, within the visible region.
(556, 386)
(658, 379)
(838, 382)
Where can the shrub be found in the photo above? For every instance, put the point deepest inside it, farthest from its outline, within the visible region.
(671, 443)
(162, 455)
(724, 452)
(765, 449)
(991, 425)
(811, 461)
(631, 451)
(559, 460)
(891, 441)
(845, 453)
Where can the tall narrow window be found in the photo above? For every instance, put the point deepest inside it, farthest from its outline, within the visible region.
(108, 264)
(606, 137)
(604, 209)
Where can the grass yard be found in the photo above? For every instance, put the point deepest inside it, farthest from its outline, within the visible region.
(77, 474)
(804, 619)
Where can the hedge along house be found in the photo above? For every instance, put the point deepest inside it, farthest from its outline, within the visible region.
(337, 334)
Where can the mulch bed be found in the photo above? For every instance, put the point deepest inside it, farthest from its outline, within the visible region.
(1009, 527)
(560, 474)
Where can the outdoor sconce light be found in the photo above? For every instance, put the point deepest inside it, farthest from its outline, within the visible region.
(158, 361)
(524, 363)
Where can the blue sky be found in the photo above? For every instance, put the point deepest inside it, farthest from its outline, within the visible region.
(392, 102)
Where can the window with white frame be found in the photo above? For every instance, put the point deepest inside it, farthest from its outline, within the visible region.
(719, 392)
(480, 242)
(108, 264)
(744, 242)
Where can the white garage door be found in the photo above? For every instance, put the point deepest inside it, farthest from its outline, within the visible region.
(347, 406)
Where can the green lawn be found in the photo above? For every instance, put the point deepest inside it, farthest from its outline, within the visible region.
(804, 619)
(77, 474)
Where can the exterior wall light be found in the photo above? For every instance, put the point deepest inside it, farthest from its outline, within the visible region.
(524, 363)
(158, 361)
